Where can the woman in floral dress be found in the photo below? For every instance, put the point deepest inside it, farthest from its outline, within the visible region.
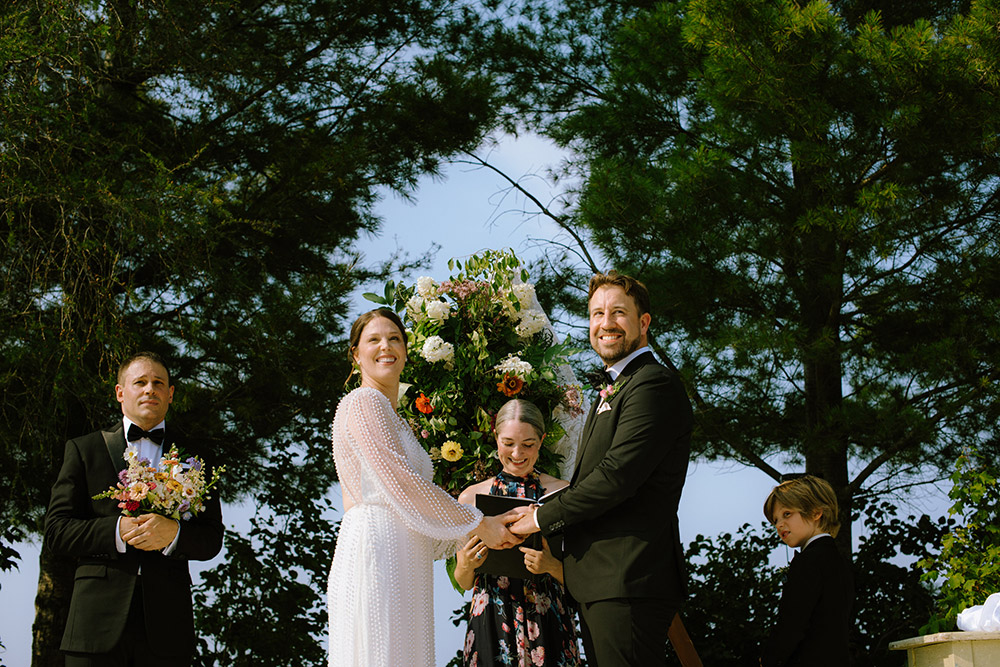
(517, 621)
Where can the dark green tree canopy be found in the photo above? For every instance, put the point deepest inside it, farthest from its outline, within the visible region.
(190, 177)
(811, 190)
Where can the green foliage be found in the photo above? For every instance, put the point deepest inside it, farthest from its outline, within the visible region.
(811, 198)
(891, 599)
(967, 569)
(266, 603)
(477, 340)
(733, 595)
(735, 588)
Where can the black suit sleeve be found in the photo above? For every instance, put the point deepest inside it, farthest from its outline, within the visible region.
(652, 428)
(76, 525)
(804, 606)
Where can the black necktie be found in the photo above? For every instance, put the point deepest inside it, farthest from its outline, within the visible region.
(136, 433)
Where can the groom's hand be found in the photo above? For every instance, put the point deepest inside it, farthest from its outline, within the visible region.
(524, 523)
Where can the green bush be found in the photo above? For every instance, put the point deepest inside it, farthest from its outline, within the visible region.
(734, 589)
(967, 570)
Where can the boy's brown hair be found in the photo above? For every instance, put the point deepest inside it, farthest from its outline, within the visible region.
(806, 495)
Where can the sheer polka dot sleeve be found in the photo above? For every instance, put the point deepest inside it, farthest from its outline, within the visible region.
(379, 461)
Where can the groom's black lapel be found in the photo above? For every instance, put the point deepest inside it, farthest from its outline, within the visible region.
(115, 442)
(588, 427)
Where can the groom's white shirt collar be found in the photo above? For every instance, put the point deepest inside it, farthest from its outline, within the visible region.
(616, 370)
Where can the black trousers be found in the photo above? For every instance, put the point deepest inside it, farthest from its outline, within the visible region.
(626, 632)
(134, 648)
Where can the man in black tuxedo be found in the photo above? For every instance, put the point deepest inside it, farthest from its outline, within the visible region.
(131, 601)
(622, 554)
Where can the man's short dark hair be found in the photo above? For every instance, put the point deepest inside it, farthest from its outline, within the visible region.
(151, 356)
(633, 288)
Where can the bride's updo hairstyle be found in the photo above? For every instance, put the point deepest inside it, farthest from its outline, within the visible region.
(359, 326)
(525, 412)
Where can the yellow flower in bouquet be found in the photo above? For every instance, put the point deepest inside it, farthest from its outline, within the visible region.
(451, 451)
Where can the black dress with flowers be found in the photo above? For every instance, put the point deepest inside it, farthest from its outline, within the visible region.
(518, 621)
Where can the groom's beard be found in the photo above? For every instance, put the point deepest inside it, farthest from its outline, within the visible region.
(615, 354)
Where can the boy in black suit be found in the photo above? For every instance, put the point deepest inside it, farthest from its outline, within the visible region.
(814, 616)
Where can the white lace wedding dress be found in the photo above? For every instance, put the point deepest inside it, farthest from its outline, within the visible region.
(380, 594)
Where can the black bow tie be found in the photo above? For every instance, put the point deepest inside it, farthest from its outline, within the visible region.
(599, 379)
(136, 433)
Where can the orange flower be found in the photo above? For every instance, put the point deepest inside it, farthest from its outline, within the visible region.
(424, 404)
(511, 385)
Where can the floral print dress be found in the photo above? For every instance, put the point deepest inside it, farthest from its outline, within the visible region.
(519, 621)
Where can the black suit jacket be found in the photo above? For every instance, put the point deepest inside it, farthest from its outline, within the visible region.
(814, 617)
(619, 516)
(82, 528)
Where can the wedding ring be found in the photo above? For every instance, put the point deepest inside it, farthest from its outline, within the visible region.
(479, 556)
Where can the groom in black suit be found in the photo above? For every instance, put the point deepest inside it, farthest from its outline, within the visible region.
(131, 601)
(622, 554)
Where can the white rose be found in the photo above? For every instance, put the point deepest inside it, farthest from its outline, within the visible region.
(435, 349)
(514, 366)
(415, 308)
(525, 293)
(426, 287)
(532, 321)
(437, 310)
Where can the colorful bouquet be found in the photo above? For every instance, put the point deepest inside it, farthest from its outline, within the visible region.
(176, 488)
(477, 340)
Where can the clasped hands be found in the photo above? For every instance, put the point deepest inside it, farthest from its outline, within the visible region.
(507, 530)
(148, 532)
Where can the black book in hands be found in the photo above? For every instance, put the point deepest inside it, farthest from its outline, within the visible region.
(507, 562)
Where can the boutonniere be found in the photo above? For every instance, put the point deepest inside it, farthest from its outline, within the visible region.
(608, 393)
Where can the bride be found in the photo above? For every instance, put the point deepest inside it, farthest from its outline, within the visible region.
(396, 520)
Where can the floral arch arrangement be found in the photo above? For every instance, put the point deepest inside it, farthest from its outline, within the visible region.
(477, 340)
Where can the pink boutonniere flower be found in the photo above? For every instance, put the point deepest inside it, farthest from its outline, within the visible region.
(612, 389)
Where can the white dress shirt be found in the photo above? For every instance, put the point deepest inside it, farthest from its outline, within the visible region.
(616, 369)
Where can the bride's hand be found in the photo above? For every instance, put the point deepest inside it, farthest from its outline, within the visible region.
(492, 530)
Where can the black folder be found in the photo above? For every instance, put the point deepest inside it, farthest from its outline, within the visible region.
(507, 562)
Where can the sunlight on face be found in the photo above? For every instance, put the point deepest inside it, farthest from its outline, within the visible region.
(518, 446)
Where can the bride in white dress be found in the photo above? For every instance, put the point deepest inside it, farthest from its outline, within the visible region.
(396, 520)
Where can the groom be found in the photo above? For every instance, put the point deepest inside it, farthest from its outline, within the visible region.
(131, 601)
(622, 553)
